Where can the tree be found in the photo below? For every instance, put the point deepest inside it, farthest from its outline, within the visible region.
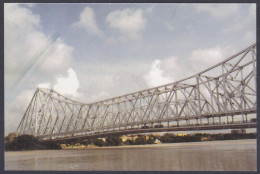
(113, 140)
(140, 140)
(98, 142)
(151, 140)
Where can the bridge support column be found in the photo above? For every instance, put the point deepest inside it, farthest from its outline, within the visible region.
(243, 119)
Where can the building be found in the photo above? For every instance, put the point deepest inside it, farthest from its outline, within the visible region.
(12, 136)
(181, 134)
(103, 139)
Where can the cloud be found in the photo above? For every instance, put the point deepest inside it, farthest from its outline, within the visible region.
(110, 79)
(155, 76)
(217, 10)
(209, 56)
(26, 44)
(245, 24)
(68, 85)
(59, 60)
(204, 58)
(88, 22)
(14, 112)
(27, 58)
(44, 85)
(29, 5)
(173, 68)
(129, 22)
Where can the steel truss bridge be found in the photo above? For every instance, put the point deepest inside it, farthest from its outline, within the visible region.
(220, 97)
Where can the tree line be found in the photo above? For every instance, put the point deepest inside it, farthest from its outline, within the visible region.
(28, 142)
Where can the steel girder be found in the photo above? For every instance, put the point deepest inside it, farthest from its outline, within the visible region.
(226, 89)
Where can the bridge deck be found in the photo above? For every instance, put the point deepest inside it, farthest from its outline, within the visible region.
(147, 130)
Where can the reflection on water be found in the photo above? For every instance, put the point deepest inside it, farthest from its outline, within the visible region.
(214, 155)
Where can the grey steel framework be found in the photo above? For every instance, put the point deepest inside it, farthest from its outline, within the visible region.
(220, 95)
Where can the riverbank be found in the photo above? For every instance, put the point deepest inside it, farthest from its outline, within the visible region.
(201, 143)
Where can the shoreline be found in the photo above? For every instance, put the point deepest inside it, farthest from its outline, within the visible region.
(200, 143)
(156, 145)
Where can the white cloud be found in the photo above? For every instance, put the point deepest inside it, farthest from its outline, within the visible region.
(29, 5)
(59, 60)
(171, 69)
(129, 22)
(25, 51)
(217, 10)
(68, 85)
(202, 59)
(209, 56)
(111, 79)
(88, 21)
(25, 45)
(15, 111)
(155, 76)
(44, 85)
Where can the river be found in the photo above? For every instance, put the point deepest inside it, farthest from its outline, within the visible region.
(230, 155)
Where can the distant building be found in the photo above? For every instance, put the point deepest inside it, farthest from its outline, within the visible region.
(146, 137)
(12, 136)
(132, 137)
(157, 141)
(181, 134)
(103, 139)
(124, 138)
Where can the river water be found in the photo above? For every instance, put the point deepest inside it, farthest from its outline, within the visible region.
(194, 156)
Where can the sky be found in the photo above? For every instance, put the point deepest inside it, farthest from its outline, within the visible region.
(89, 52)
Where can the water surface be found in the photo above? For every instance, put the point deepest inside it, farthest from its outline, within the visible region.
(213, 155)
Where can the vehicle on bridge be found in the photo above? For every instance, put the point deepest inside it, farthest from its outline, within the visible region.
(158, 126)
(253, 120)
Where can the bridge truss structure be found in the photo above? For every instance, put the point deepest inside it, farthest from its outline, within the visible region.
(222, 94)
